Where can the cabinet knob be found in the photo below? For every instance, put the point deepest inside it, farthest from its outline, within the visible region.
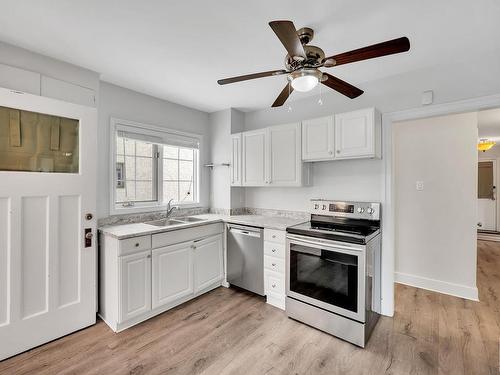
(274, 264)
(273, 250)
(330, 152)
(338, 151)
(137, 244)
(149, 256)
(274, 285)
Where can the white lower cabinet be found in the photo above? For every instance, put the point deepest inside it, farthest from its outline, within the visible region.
(172, 273)
(136, 286)
(208, 262)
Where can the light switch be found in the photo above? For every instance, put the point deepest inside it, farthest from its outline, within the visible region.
(419, 185)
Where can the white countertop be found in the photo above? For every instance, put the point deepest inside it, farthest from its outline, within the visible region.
(122, 231)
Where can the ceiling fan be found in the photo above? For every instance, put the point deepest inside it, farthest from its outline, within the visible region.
(303, 61)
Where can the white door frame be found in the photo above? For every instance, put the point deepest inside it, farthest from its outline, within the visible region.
(389, 182)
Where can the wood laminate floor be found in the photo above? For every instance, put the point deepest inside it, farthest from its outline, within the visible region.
(232, 332)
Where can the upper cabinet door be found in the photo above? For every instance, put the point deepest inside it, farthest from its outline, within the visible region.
(318, 139)
(254, 160)
(357, 134)
(236, 159)
(285, 163)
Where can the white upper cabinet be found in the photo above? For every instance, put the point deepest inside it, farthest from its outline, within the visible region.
(254, 158)
(318, 139)
(236, 159)
(208, 262)
(358, 134)
(285, 164)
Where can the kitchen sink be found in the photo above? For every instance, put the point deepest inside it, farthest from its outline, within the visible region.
(190, 219)
(165, 222)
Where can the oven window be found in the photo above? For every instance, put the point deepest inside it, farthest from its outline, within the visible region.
(327, 276)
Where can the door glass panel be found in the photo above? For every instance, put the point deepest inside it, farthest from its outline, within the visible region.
(36, 142)
(326, 276)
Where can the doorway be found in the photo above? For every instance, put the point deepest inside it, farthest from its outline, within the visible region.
(486, 196)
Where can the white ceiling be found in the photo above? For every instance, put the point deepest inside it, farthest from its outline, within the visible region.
(178, 50)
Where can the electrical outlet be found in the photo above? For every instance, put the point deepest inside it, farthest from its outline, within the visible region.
(419, 185)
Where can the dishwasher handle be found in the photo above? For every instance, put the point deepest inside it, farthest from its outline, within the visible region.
(251, 232)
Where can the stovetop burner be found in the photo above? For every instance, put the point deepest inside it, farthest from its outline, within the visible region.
(350, 227)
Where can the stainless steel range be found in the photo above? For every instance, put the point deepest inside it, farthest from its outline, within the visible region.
(333, 269)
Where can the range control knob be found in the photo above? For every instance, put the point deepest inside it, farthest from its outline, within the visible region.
(324, 207)
(361, 210)
(370, 210)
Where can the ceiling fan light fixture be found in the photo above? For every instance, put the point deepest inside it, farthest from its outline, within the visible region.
(485, 145)
(305, 80)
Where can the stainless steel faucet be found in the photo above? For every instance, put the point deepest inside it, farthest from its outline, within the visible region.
(170, 208)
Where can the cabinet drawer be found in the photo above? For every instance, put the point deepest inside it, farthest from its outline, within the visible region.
(274, 264)
(134, 244)
(274, 249)
(274, 235)
(182, 235)
(274, 282)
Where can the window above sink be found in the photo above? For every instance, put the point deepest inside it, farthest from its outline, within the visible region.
(151, 165)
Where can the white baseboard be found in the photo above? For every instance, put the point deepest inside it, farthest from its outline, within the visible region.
(439, 286)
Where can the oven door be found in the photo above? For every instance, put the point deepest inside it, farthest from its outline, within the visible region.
(327, 274)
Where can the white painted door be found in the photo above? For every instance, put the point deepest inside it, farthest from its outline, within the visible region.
(172, 273)
(47, 271)
(285, 164)
(318, 139)
(236, 159)
(208, 262)
(135, 285)
(486, 202)
(255, 158)
(355, 134)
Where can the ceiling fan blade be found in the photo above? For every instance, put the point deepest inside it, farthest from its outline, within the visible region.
(251, 76)
(283, 96)
(341, 86)
(287, 34)
(376, 50)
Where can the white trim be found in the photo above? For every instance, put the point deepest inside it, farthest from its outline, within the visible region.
(457, 290)
(153, 206)
(388, 180)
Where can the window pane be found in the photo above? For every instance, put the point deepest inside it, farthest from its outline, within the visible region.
(186, 154)
(120, 195)
(170, 152)
(36, 142)
(129, 190)
(129, 168)
(144, 169)
(144, 149)
(170, 191)
(143, 190)
(186, 191)
(186, 170)
(120, 148)
(170, 169)
(129, 147)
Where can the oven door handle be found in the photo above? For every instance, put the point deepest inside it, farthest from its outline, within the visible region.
(321, 244)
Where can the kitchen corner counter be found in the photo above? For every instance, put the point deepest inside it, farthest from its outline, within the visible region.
(122, 231)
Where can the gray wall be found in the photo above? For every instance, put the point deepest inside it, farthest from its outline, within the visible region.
(130, 105)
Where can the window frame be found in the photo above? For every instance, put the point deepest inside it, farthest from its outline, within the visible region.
(158, 205)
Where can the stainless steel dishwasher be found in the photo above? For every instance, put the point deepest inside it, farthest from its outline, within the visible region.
(245, 257)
